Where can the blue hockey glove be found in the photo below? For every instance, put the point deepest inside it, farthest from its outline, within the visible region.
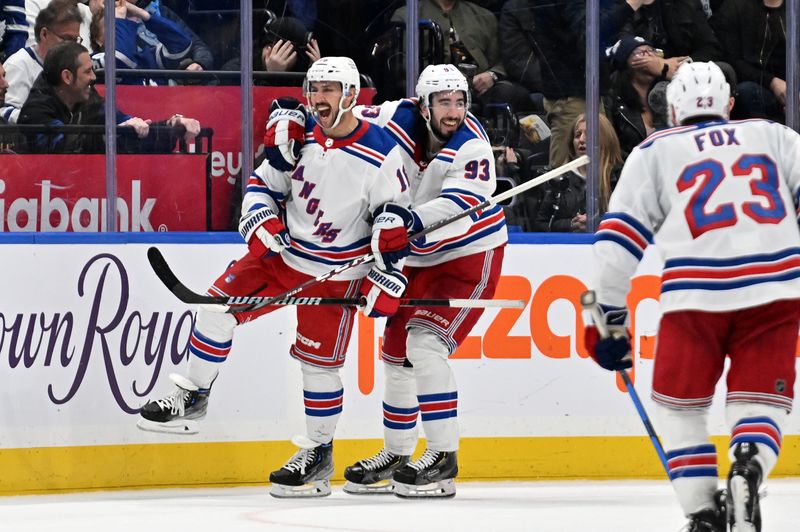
(390, 236)
(614, 351)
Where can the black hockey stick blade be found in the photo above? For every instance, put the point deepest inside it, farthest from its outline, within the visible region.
(170, 280)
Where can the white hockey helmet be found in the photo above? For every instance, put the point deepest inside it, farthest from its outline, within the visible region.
(340, 69)
(441, 78)
(697, 89)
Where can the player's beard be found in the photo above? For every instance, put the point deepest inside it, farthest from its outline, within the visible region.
(445, 131)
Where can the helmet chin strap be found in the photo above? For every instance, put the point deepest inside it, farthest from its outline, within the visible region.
(436, 136)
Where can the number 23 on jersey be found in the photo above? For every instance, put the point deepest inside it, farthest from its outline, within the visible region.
(765, 205)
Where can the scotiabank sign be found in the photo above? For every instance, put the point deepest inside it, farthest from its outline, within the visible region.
(57, 193)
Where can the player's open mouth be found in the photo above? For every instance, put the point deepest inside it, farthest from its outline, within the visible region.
(324, 111)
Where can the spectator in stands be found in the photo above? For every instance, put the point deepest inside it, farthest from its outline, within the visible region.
(631, 82)
(563, 208)
(59, 21)
(679, 28)
(561, 47)
(284, 46)
(517, 42)
(63, 94)
(753, 36)
(3, 89)
(7, 139)
(199, 56)
(474, 41)
(172, 50)
(20, 17)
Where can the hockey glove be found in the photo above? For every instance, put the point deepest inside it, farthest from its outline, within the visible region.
(613, 352)
(390, 235)
(382, 292)
(285, 133)
(264, 232)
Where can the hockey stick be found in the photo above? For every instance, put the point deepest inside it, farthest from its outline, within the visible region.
(589, 303)
(185, 294)
(494, 200)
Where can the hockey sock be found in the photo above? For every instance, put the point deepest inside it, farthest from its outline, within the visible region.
(322, 396)
(436, 388)
(691, 457)
(759, 424)
(209, 345)
(400, 410)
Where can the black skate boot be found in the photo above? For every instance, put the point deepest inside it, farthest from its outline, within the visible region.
(744, 479)
(179, 411)
(307, 473)
(710, 519)
(433, 475)
(373, 475)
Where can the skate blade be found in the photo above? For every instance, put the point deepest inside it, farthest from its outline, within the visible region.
(383, 487)
(318, 488)
(739, 494)
(186, 426)
(435, 490)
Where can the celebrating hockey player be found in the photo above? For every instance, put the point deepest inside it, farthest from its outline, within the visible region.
(719, 198)
(299, 224)
(450, 168)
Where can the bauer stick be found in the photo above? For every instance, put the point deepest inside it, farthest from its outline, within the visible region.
(185, 294)
(364, 259)
(589, 303)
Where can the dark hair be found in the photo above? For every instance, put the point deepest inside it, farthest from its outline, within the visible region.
(63, 56)
(622, 87)
(94, 30)
(57, 12)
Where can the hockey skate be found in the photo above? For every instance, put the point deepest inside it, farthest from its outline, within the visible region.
(709, 519)
(432, 475)
(307, 474)
(178, 412)
(744, 479)
(372, 476)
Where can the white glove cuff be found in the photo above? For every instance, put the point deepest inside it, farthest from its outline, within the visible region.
(253, 220)
(393, 283)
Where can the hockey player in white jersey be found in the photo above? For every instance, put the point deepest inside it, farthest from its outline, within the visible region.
(347, 170)
(719, 199)
(450, 168)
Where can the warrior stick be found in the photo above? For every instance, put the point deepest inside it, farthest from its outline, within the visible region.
(589, 302)
(364, 259)
(185, 294)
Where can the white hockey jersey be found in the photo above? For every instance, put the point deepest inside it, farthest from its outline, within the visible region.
(329, 198)
(721, 199)
(460, 175)
(22, 69)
